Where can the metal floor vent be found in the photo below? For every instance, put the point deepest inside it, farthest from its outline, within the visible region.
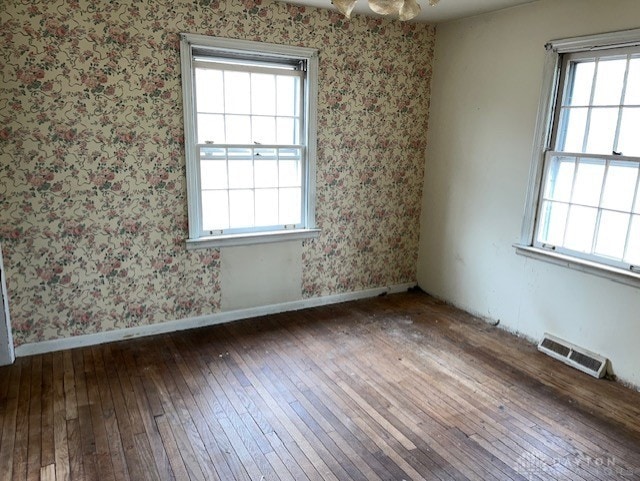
(574, 356)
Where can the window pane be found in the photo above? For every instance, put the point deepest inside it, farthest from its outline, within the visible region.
(588, 183)
(238, 129)
(609, 82)
(620, 185)
(580, 228)
(287, 95)
(632, 95)
(579, 92)
(240, 174)
(213, 174)
(246, 104)
(573, 123)
(209, 89)
(290, 206)
(592, 206)
(266, 207)
(264, 130)
(241, 208)
(602, 130)
(553, 219)
(632, 255)
(213, 153)
(215, 210)
(612, 234)
(263, 94)
(210, 129)
(266, 173)
(236, 92)
(560, 179)
(290, 173)
(287, 130)
(629, 141)
(238, 153)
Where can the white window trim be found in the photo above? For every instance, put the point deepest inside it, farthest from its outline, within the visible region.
(542, 144)
(252, 238)
(196, 240)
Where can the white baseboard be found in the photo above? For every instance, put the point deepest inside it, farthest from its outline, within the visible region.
(201, 321)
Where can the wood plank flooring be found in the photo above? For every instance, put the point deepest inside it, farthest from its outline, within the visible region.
(396, 388)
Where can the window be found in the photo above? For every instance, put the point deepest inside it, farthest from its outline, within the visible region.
(249, 140)
(584, 199)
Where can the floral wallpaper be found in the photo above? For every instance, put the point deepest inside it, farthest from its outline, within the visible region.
(93, 215)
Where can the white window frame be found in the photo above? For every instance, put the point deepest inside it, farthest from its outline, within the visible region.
(551, 94)
(221, 47)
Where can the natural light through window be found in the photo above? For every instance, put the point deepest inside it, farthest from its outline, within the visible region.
(245, 186)
(589, 204)
(249, 139)
(250, 187)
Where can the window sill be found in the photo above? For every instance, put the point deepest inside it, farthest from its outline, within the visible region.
(613, 273)
(251, 239)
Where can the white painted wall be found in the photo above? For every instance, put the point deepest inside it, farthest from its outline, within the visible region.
(253, 276)
(485, 92)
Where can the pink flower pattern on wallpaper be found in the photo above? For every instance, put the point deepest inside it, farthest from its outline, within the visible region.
(93, 217)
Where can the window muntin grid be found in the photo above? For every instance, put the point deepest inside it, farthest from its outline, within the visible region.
(590, 207)
(248, 188)
(600, 107)
(243, 104)
(249, 121)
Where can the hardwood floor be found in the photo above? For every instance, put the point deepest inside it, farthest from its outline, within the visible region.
(395, 388)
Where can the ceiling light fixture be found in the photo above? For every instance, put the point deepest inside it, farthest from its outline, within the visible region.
(404, 9)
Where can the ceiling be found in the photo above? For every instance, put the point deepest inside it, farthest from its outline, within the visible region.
(444, 11)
